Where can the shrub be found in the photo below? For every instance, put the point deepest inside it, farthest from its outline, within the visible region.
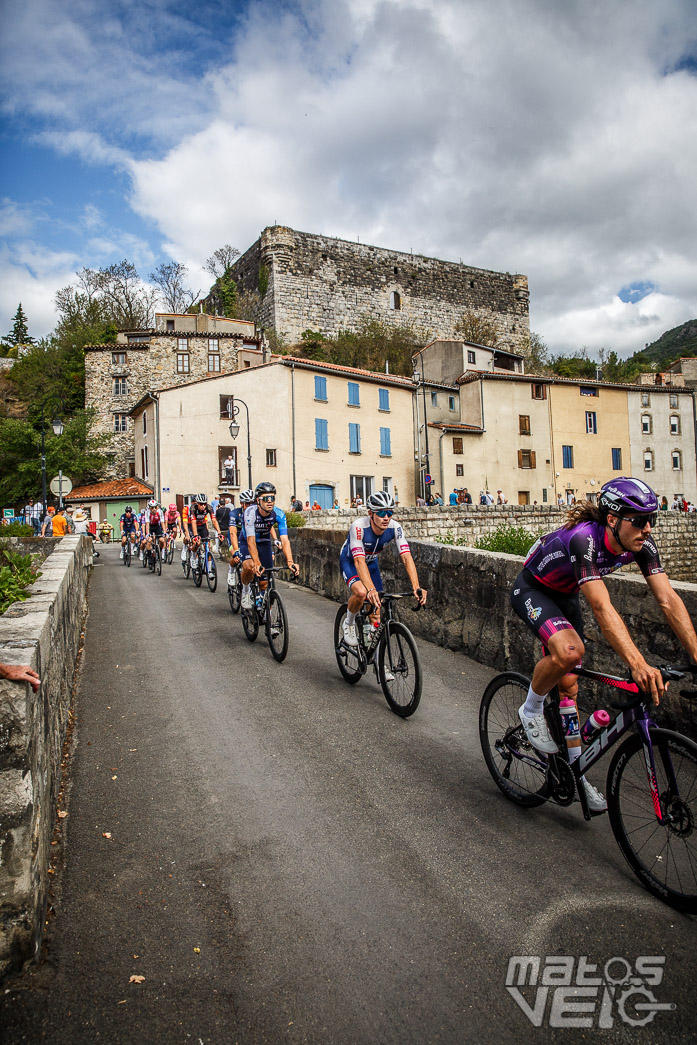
(515, 540)
(450, 538)
(17, 572)
(295, 519)
(18, 529)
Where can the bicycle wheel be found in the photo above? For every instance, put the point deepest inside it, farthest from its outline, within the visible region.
(663, 856)
(144, 560)
(127, 553)
(346, 657)
(170, 553)
(250, 623)
(211, 572)
(277, 626)
(157, 554)
(515, 765)
(234, 592)
(399, 669)
(186, 564)
(197, 571)
(151, 560)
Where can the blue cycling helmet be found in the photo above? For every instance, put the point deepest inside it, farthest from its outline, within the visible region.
(625, 494)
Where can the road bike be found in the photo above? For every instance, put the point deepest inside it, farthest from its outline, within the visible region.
(267, 609)
(389, 647)
(651, 781)
(234, 588)
(169, 547)
(205, 565)
(153, 555)
(186, 561)
(127, 552)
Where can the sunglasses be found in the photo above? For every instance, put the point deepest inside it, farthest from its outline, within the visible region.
(640, 521)
(384, 513)
(267, 497)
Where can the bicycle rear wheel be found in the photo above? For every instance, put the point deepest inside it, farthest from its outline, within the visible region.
(346, 657)
(157, 554)
(144, 560)
(127, 553)
(399, 669)
(250, 623)
(211, 572)
(170, 553)
(276, 625)
(663, 856)
(234, 591)
(515, 765)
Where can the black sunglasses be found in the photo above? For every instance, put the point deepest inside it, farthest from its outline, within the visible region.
(640, 521)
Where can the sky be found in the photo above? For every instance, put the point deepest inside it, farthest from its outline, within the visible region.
(557, 138)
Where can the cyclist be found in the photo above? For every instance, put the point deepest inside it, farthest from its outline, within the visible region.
(154, 526)
(595, 540)
(173, 522)
(186, 537)
(256, 546)
(199, 513)
(236, 520)
(366, 538)
(130, 528)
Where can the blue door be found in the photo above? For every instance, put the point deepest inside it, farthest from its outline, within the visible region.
(324, 495)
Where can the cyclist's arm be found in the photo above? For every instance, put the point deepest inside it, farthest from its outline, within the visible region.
(414, 578)
(675, 612)
(615, 632)
(192, 525)
(285, 547)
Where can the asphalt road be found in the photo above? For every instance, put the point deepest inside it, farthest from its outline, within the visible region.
(287, 861)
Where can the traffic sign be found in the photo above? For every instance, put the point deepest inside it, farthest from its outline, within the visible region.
(428, 480)
(61, 485)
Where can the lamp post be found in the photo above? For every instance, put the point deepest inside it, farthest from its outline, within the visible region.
(416, 377)
(234, 432)
(57, 426)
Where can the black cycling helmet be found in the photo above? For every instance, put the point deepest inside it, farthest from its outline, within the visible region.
(380, 500)
(128, 508)
(625, 494)
(263, 488)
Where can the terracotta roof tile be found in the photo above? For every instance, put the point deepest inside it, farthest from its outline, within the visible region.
(110, 488)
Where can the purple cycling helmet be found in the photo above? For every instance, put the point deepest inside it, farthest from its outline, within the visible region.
(624, 495)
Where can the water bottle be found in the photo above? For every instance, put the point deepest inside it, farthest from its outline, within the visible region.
(569, 720)
(367, 632)
(597, 721)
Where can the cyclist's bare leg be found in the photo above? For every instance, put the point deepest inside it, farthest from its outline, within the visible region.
(357, 597)
(565, 650)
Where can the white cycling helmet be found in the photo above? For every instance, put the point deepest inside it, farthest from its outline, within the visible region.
(380, 500)
(247, 497)
(152, 504)
(201, 498)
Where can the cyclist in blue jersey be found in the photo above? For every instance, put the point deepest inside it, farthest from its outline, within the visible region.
(596, 540)
(256, 539)
(130, 527)
(367, 536)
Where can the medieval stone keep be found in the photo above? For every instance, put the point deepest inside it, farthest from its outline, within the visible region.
(318, 283)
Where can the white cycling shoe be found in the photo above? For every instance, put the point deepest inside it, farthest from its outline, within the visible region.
(247, 600)
(597, 803)
(349, 632)
(537, 732)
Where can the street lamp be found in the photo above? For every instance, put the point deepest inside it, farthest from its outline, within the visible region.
(235, 431)
(57, 426)
(416, 377)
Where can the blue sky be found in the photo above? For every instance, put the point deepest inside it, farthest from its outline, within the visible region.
(555, 139)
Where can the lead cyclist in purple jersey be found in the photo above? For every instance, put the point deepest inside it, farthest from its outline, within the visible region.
(595, 541)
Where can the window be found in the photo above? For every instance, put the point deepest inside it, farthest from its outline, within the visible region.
(471, 356)
(434, 399)
(144, 462)
(169, 325)
(354, 394)
(119, 358)
(270, 458)
(567, 456)
(645, 399)
(526, 459)
(229, 476)
(648, 460)
(385, 443)
(674, 424)
(617, 458)
(591, 422)
(354, 439)
(361, 486)
(539, 391)
(459, 469)
(213, 363)
(673, 401)
(120, 422)
(135, 339)
(383, 399)
(145, 422)
(321, 388)
(646, 424)
(395, 301)
(677, 460)
(120, 386)
(523, 424)
(457, 444)
(588, 390)
(451, 402)
(387, 483)
(544, 495)
(321, 434)
(182, 344)
(182, 362)
(213, 345)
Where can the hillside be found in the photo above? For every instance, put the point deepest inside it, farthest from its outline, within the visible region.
(680, 341)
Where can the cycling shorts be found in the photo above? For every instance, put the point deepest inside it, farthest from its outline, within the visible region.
(156, 530)
(171, 527)
(350, 573)
(202, 532)
(544, 610)
(265, 552)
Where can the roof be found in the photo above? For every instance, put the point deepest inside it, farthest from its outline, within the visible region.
(455, 426)
(111, 489)
(536, 379)
(366, 375)
(472, 344)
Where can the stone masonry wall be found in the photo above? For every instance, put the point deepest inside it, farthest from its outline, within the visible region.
(676, 532)
(329, 284)
(43, 632)
(468, 609)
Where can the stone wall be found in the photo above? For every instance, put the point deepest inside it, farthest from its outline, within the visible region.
(329, 284)
(43, 632)
(468, 610)
(676, 532)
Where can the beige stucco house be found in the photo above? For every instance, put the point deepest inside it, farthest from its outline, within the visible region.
(662, 439)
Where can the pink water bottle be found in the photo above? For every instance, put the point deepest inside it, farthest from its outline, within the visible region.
(597, 721)
(569, 719)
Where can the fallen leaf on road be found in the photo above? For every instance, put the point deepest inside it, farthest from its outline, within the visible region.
(136, 979)
(197, 950)
(61, 813)
(114, 777)
(106, 834)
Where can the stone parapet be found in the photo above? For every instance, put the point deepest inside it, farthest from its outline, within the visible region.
(44, 632)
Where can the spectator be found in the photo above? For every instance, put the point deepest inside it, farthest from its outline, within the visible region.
(229, 466)
(664, 504)
(60, 523)
(500, 499)
(438, 499)
(482, 497)
(20, 673)
(489, 498)
(316, 507)
(675, 506)
(420, 502)
(560, 501)
(307, 506)
(35, 516)
(467, 496)
(69, 519)
(296, 505)
(452, 497)
(336, 503)
(80, 521)
(47, 527)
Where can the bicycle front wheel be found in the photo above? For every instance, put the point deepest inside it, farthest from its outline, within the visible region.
(157, 553)
(250, 623)
(234, 592)
(662, 855)
(127, 553)
(170, 553)
(515, 765)
(276, 626)
(144, 560)
(211, 572)
(197, 572)
(399, 669)
(347, 657)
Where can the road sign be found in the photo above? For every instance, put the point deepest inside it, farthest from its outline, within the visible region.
(428, 480)
(8, 513)
(61, 485)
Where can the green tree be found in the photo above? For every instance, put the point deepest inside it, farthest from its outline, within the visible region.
(376, 344)
(535, 352)
(19, 335)
(313, 345)
(477, 329)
